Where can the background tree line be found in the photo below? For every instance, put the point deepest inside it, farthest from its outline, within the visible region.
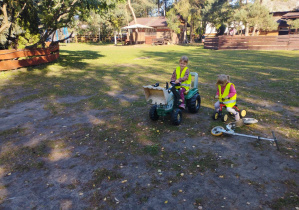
(27, 23)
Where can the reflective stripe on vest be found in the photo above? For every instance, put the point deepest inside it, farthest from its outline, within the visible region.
(228, 102)
(186, 84)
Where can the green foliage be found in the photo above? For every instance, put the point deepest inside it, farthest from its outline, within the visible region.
(256, 15)
(190, 10)
(294, 23)
(216, 12)
(46, 16)
(142, 8)
(173, 21)
(27, 39)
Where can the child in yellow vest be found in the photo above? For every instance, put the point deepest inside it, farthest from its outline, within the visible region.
(227, 94)
(182, 75)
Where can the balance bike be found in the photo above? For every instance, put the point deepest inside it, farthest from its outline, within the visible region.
(224, 116)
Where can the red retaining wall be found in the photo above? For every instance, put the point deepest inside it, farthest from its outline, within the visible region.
(9, 59)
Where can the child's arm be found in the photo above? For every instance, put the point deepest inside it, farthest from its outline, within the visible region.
(217, 93)
(173, 77)
(232, 92)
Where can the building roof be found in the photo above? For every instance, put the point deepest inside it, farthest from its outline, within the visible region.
(151, 21)
(291, 15)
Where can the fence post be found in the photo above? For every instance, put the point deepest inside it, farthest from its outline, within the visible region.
(288, 44)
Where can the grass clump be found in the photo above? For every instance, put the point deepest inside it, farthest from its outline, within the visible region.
(288, 201)
(209, 162)
(152, 149)
(102, 174)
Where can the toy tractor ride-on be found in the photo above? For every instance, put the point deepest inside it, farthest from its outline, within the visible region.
(224, 116)
(166, 100)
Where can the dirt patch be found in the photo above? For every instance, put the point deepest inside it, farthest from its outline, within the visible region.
(81, 158)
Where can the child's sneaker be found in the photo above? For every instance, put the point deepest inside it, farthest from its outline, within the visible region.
(239, 123)
(182, 106)
(237, 116)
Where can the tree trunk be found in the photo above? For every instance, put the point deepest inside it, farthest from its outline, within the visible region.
(99, 34)
(185, 33)
(115, 40)
(158, 7)
(254, 29)
(165, 1)
(191, 32)
(132, 11)
(5, 23)
(134, 16)
(247, 29)
(246, 25)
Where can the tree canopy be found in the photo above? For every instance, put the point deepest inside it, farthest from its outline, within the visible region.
(32, 22)
(44, 17)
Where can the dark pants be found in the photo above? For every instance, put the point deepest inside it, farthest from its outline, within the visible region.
(182, 90)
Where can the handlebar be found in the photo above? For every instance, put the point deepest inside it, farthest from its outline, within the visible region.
(173, 84)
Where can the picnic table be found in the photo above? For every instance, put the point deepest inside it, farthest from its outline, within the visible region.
(160, 41)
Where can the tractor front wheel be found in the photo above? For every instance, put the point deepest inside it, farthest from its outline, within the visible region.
(153, 113)
(176, 116)
(194, 103)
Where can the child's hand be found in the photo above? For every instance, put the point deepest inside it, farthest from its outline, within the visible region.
(216, 97)
(226, 97)
(177, 81)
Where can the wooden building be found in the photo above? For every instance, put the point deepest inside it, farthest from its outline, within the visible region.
(159, 33)
(281, 17)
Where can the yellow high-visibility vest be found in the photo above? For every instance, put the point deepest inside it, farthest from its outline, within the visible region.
(228, 102)
(186, 84)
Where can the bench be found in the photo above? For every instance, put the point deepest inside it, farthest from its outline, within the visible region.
(159, 41)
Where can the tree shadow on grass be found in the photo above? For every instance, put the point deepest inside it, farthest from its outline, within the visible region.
(71, 147)
(74, 59)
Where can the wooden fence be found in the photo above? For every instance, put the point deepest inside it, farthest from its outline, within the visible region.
(282, 42)
(13, 59)
(87, 38)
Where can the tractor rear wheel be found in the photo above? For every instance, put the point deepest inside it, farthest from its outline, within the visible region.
(176, 116)
(194, 103)
(153, 113)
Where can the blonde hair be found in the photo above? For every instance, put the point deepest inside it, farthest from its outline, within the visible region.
(184, 58)
(222, 79)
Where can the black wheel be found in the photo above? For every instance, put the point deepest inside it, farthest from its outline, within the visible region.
(224, 117)
(242, 113)
(176, 116)
(194, 103)
(153, 113)
(215, 115)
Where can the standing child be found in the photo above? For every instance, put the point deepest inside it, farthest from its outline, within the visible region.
(227, 94)
(182, 75)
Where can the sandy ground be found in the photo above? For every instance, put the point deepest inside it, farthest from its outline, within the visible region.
(84, 169)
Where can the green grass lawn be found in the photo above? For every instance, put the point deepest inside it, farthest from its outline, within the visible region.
(266, 81)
